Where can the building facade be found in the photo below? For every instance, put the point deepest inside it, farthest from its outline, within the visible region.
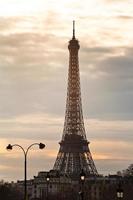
(64, 188)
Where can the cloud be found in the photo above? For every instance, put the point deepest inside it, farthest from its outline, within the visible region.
(34, 126)
(105, 136)
(8, 23)
(113, 164)
(107, 85)
(118, 67)
(116, 1)
(125, 17)
(30, 63)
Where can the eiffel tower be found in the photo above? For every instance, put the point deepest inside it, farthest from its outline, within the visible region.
(74, 154)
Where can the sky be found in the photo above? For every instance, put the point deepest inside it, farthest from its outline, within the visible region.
(34, 59)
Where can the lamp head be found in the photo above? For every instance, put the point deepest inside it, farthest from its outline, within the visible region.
(41, 146)
(82, 175)
(9, 147)
(47, 177)
(120, 192)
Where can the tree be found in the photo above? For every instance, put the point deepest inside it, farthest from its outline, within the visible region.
(8, 192)
(127, 172)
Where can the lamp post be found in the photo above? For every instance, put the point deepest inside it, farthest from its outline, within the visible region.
(82, 179)
(47, 180)
(119, 192)
(10, 147)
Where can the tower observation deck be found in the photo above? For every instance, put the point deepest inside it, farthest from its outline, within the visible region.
(74, 154)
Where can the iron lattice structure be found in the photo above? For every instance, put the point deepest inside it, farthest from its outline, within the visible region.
(74, 154)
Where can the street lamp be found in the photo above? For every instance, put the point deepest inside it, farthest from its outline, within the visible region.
(82, 179)
(47, 180)
(10, 147)
(119, 192)
(82, 176)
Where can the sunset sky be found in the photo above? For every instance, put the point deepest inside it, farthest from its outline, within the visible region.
(34, 57)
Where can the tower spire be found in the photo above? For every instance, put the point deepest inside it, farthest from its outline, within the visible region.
(73, 29)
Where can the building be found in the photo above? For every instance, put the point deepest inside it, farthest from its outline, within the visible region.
(64, 188)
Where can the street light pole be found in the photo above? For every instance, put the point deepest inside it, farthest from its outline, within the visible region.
(10, 147)
(82, 179)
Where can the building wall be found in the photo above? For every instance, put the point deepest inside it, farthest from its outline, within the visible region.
(64, 188)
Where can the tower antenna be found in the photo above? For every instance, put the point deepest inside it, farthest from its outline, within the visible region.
(73, 29)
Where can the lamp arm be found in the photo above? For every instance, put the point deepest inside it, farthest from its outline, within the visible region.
(30, 147)
(17, 145)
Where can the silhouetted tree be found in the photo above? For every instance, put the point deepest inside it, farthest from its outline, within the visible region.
(7, 192)
(126, 172)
